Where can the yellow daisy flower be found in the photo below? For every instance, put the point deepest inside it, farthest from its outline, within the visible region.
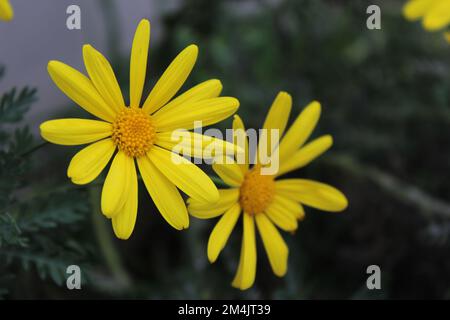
(6, 11)
(435, 14)
(137, 133)
(265, 199)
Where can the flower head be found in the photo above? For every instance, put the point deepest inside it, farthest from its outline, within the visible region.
(138, 135)
(435, 14)
(265, 199)
(6, 11)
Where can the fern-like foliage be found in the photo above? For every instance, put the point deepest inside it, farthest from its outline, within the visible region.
(34, 223)
(40, 235)
(14, 104)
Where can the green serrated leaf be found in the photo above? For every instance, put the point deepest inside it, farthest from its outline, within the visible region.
(13, 106)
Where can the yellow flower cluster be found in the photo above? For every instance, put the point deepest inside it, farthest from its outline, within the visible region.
(137, 137)
(435, 14)
(6, 11)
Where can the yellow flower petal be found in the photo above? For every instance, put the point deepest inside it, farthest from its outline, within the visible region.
(165, 195)
(6, 11)
(221, 232)
(276, 119)
(138, 62)
(283, 212)
(415, 9)
(204, 210)
(276, 249)
(74, 131)
(278, 115)
(240, 139)
(245, 276)
(192, 144)
(438, 16)
(185, 175)
(205, 90)
(208, 111)
(103, 78)
(88, 163)
(300, 130)
(311, 193)
(80, 89)
(230, 173)
(172, 79)
(123, 222)
(117, 184)
(305, 155)
(288, 205)
(300, 215)
(447, 36)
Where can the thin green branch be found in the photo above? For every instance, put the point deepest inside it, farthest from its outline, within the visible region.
(34, 148)
(406, 193)
(112, 258)
(218, 181)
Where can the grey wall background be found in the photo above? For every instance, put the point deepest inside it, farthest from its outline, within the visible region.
(38, 34)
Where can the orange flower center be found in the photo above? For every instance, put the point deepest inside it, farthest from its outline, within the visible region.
(257, 191)
(134, 132)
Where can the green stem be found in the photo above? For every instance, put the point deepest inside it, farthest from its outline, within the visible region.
(33, 149)
(112, 258)
(404, 192)
(111, 19)
(218, 181)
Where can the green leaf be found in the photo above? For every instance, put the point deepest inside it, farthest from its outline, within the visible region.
(13, 106)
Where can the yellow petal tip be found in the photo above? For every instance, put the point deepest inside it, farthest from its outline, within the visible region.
(144, 23)
(285, 94)
(329, 139)
(344, 203)
(217, 83)
(234, 102)
(316, 104)
(211, 257)
(185, 225)
(52, 64)
(315, 108)
(122, 236)
(280, 273)
(193, 48)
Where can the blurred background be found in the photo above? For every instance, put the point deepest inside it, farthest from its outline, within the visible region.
(385, 97)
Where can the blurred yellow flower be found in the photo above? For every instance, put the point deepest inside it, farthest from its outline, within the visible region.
(447, 36)
(6, 11)
(265, 199)
(138, 133)
(435, 14)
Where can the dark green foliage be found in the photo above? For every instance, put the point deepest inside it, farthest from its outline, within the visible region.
(14, 105)
(34, 222)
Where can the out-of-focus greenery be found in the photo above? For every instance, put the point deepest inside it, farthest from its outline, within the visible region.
(34, 221)
(385, 98)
